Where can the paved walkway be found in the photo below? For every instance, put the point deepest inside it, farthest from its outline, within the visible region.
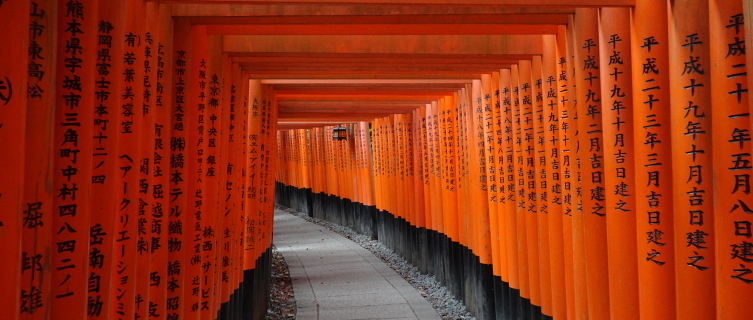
(335, 278)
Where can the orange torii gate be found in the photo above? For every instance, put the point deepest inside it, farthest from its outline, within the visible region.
(577, 159)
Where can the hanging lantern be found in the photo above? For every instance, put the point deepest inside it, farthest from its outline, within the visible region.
(339, 133)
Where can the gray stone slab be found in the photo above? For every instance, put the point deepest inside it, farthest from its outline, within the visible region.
(360, 300)
(335, 278)
(367, 312)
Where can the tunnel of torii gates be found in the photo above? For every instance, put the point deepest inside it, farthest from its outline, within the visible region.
(572, 159)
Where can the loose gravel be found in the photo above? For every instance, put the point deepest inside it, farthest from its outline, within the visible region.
(281, 295)
(432, 290)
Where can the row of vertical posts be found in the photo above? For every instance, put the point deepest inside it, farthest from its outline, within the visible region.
(328, 179)
(136, 170)
(608, 177)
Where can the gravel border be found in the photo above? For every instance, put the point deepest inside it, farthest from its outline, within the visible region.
(432, 290)
(281, 295)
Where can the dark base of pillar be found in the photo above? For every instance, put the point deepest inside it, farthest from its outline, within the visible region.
(485, 295)
(251, 299)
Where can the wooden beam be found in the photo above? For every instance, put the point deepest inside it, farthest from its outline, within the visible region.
(363, 75)
(288, 93)
(367, 81)
(281, 10)
(404, 18)
(381, 29)
(335, 65)
(497, 3)
(347, 103)
(354, 110)
(366, 56)
(370, 74)
(293, 116)
(367, 86)
(346, 70)
(371, 97)
(385, 44)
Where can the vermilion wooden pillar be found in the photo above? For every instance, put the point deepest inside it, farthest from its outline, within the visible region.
(73, 157)
(393, 165)
(37, 212)
(252, 163)
(347, 163)
(325, 160)
(619, 173)
(732, 169)
(162, 91)
(266, 190)
(747, 13)
(15, 213)
(653, 158)
(519, 180)
(313, 160)
(366, 159)
(692, 154)
(131, 152)
(180, 207)
(151, 181)
(426, 173)
(321, 158)
(527, 200)
(363, 183)
(102, 279)
(377, 139)
(350, 164)
(590, 111)
(375, 161)
(465, 186)
(481, 227)
(211, 165)
(361, 131)
(331, 163)
(384, 162)
(568, 152)
(552, 167)
(487, 142)
(508, 164)
(409, 169)
(242, 106)
(394, 135)
(197, 124)
(357, 165)
(447, 147)
(382, 167)
(418, 167)
(578, 175)
(229, 183)
(434, 137)
(498, 121)
(464, 131)
(400, 199)
(419, 136)
(340, 170)
(305, 176)
(540, 177)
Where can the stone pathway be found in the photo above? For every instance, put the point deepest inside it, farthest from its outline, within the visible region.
(335, 278)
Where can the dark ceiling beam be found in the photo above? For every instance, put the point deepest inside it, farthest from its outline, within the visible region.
(493, 3)
(381, 29)
(403, 19)
(386, 44)
(282, 10)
